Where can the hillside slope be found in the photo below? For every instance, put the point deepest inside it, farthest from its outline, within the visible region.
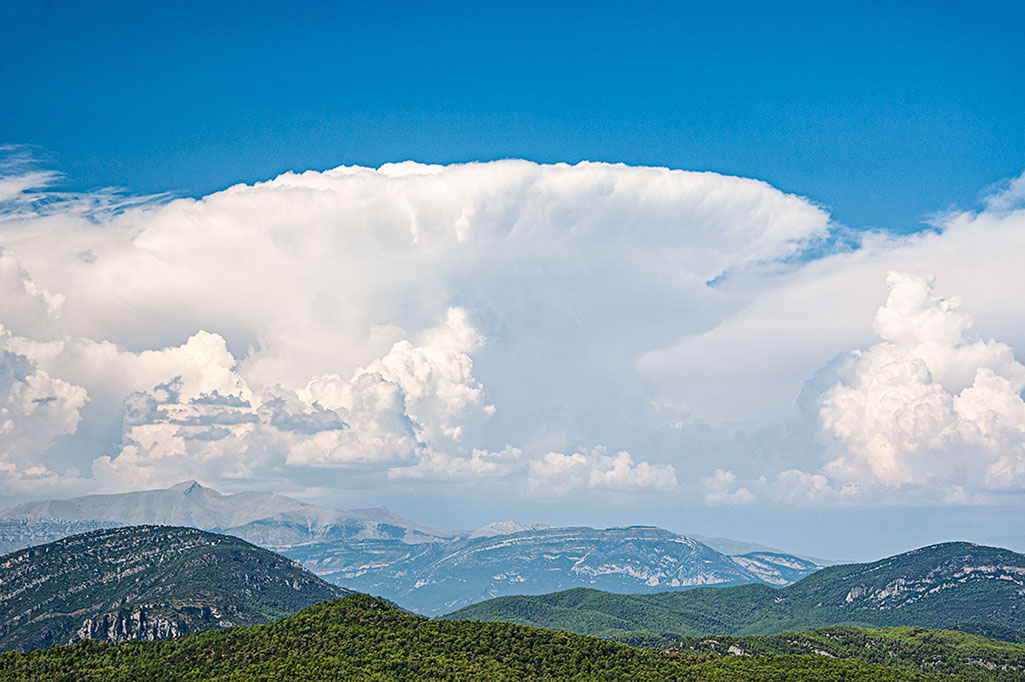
(940, 586)
(942, 651)
(145, 582)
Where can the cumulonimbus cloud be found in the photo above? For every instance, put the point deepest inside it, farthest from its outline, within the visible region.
(343, 318)
(477, 322)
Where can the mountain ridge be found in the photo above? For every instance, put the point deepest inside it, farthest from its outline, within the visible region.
(427, 569)
(206, 509)
(937, 586)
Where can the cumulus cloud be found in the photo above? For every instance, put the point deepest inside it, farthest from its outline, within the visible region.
(397, 410)
(722, 489)
(434, 379)
(35, 408)
(804, 487)
(594, 469)
(932, 403)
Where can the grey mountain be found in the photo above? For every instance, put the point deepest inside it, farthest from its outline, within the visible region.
(737, 547)
(263, 518)
(438, 578)
(430, 570)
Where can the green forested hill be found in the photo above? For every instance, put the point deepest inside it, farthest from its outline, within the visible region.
(145, 582)
(363, 638)
(941, 586)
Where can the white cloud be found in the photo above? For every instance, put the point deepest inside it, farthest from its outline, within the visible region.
(396, 411)
(303, 266)
(35, 408)
(32, 309)
(435, 379)
(932, 404)
(722, 489)
(803, 487)
(795, 320)
(1009, 196)
(594, 469)
(437, 465)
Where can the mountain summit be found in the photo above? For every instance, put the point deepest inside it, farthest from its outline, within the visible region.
(504, 528)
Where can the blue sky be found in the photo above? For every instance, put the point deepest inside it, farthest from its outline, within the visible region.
(884, 112)
(778, 350)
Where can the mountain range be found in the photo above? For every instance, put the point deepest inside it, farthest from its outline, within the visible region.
(263, 518)
(146, 582)
(422, 568)
(158, 582)
(954, 584)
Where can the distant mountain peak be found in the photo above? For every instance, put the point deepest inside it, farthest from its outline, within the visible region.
(263, 517)
(504, 528)
(187, 487)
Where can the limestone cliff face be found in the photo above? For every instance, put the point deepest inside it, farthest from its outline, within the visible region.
(120, 626)
(150, 623)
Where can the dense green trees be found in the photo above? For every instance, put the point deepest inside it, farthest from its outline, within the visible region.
(905, 648)
(363, 638)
